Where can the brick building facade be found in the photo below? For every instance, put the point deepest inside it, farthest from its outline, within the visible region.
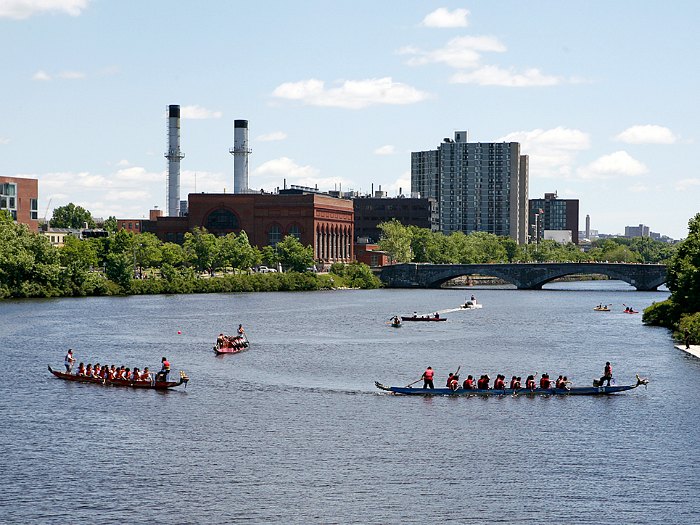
(21, 198)
(322, 221)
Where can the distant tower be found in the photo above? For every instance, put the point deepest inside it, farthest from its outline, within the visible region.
(240, 154)
(174, 156)
(588, 226)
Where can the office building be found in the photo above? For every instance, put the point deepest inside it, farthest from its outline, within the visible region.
(409, 211)
(478, 187)
(637, 231)
(553, 214)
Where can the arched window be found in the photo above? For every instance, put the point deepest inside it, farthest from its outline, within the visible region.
(274, 235)
(221, 220)
(295, 231)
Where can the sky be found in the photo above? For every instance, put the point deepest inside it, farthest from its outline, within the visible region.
(602, 95)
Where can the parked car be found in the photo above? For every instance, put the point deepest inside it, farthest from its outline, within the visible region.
(265, 269)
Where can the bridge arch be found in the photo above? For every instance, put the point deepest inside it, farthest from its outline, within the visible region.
(525, 276)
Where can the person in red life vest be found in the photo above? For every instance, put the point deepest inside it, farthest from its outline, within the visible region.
(530, 382)
(468, 383)
(449, 380)
(88, 370)
(513, 380)
(164, 370)
(498, 383)
(565, 382)
(607, 374)
(81, 370)
(146, 375)
(483, 382)
(516, 384)
(544, 381)
(427, 378)
(96, 370)
(453, 384)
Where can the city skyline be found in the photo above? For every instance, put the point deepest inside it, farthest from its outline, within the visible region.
(600, 96)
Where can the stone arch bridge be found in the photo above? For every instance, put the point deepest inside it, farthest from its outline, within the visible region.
(525, 276)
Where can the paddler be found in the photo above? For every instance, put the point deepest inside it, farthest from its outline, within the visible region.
(164, 370)
(530, 382)
(427, 378)
(240, 330)
(607, 373)
(453, 384)
(468, 383)
(544, 381)
(68, 361)
(449, 380)
(513, 381)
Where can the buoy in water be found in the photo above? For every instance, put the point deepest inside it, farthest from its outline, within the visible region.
(179, 332)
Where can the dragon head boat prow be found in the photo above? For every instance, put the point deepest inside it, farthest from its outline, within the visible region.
(641, 381)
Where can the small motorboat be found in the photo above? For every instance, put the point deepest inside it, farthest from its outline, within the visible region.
(470, 305)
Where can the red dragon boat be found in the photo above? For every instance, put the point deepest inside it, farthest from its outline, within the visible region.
(153, 385)
(231, 345)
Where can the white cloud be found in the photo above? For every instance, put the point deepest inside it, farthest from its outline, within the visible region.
(496, 76)
(275, 135)
(385, 150)
(350, 94)
(686, 184)
(442, 17)
(123, 163)
(126, 195)
(639, 188)
(204, 181)
(41, 75)
(647, 134)
(403, 183)
(619, 163)
(71, 75)
(4, 140)
(272, 173)
(21, 9)
(198, 113)
(552, 151)
(460, 52)
(138, 174)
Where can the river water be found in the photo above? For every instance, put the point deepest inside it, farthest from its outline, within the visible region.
(293, 430)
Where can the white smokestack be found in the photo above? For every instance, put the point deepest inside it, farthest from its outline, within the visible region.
(174, 156)
(240, 154)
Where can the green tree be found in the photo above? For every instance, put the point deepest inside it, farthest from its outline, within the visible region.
(119, 268)
(172, 254)
(147, 251)
(79, 254)
(396, 241)
(201, 250)
(6, 217)
(293, 255)
(71, 216)
(110, 224)
(269, 256)
(684, 271)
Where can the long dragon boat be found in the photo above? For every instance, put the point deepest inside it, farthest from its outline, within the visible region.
(153, 385)
(423, 318)
(573, 391)
(231, 345)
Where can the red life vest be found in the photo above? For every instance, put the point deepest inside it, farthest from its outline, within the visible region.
(498, 384)
(530, 384)
(512, 383)
(608, 371)
(468, 384)
(428, 374)
(544, 382)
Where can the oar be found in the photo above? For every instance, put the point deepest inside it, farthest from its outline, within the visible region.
(416, 381)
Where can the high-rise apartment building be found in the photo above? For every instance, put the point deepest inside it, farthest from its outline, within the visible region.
(479, 187)
(553, 214)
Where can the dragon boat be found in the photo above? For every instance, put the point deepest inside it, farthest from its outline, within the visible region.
(231, 345)
(573, 391)
(423, 318)
(153, 385)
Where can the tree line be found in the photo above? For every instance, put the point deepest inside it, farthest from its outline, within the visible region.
(421, 245)
(129, 263)
(681, 311)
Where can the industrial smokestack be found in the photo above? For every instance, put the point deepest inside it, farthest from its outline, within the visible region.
(174, 156)
(240, 154)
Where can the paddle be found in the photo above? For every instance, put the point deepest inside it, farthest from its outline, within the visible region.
(416, 381)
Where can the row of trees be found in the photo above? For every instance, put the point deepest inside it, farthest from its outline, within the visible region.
(681, 311)
(413, 244)
(126, 262)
